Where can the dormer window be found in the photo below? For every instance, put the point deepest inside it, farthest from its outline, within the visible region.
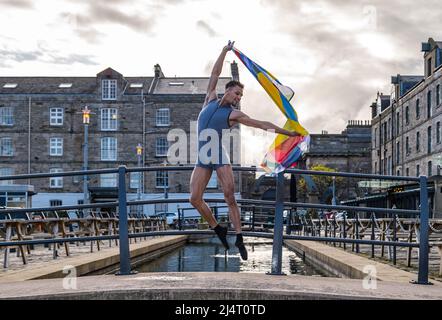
(136, 85)
(65, 85)
(176, 84)
(109, 89)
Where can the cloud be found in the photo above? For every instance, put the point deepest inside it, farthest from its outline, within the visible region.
(70, 59)
(19, 55)
(19, 4)
(205, 27)
(350, 46)
(88, 21)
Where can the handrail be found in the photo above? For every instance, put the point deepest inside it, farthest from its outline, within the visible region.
(278, 204)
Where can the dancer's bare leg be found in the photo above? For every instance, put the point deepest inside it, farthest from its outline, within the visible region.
(227, 182)
(198, 183)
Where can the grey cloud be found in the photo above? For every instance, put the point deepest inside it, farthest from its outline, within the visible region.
(19, 56)
(43, 55)
(19, 4)
(70, 59)
(335, 99)
(98, 12)
(206, 27)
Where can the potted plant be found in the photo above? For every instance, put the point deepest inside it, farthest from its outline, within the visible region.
(202, 224)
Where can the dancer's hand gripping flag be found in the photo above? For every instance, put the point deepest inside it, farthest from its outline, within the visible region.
(285, 151)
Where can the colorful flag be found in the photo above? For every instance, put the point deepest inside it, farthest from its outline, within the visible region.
(285, 151)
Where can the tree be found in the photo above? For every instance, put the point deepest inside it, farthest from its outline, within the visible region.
(323, 184)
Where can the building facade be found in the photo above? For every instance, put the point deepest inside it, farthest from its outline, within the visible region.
(42, 130)
(406, 125)
(348, 151)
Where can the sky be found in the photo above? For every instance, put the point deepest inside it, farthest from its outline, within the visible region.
(336, 55)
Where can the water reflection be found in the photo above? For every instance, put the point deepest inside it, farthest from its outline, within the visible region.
(210, 256)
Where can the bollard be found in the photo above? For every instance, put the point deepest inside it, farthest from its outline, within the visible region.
(123, 224)
(278, 227)
(422, 277)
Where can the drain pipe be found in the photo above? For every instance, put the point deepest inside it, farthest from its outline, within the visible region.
(29, 138)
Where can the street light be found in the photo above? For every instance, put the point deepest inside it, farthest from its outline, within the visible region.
(334, 196)
(86, 119)
(139, 153)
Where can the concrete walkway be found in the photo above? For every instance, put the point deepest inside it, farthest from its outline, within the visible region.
(350, 265)
(220, 285)
(91, 262)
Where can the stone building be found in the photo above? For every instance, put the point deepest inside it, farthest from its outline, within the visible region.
(348, 151)
(41, 130)
(406, 125)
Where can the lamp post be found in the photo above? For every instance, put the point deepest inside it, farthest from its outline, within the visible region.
(334, 196)
(86, 120)
(139, 153)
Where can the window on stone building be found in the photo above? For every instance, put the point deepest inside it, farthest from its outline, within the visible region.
(162, 179)
(398, 152)
(375, 137)
(56, 182)
(375, 167)
(429, 61)
(407, 146)
(162, 146)
(6, 172)
(438, 132)
(56, 146)
(418, 109)
(397, 124)
(418, 170)
(108, 180)
(6, 116)
(134, 180)
(430, 168)
(56, 116)
(429, 111)
(163, 117)
(418, 141)
(437, 95)
(388, 129)
(213, 182)
(407, 115)
(429, 141)
(108, 149)
(407, 172)
(109, 119)
(109, 89)
(55, 203)
(161, 207)
(6, 149)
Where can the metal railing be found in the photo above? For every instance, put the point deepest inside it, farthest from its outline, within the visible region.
(279, 205)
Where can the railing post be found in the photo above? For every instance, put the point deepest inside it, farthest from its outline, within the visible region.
(278, 227)
(253, 218)
(123, 224)
(179, 219)
(422, 277)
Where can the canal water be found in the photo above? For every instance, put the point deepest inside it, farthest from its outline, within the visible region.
(208, 256)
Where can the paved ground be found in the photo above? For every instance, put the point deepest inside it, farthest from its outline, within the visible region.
(202, 286)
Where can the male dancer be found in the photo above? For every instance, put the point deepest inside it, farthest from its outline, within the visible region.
(218, 115)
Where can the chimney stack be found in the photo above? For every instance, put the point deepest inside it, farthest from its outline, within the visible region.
(158, 71)
(234, 70)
